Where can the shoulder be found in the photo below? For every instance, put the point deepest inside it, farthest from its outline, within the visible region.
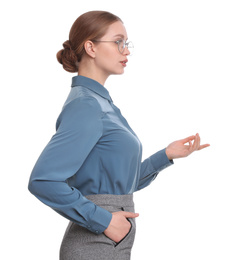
(82, 105)
(82, 110)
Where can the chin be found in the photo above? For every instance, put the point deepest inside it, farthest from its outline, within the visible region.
(119, 72)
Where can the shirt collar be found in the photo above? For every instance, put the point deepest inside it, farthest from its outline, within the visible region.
(92, 85)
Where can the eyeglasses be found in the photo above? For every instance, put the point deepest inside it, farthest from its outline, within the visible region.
(122, 44)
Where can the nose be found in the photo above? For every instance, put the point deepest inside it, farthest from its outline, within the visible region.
(126, 51)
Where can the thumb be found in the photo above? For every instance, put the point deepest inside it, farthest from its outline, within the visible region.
(127, 214)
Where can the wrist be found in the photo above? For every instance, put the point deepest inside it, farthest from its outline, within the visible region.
(168, 154)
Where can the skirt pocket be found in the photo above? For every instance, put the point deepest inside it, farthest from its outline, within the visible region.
(126, 236)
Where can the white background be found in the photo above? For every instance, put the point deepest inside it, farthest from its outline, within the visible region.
(176, 84)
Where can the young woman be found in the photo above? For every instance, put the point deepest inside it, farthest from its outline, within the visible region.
(92, 165)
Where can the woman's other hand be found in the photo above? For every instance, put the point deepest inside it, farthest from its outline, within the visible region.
(180, 148)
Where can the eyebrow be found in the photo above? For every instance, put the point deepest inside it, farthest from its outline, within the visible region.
(119, 35)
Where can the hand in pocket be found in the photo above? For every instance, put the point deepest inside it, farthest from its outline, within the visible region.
(119, 225)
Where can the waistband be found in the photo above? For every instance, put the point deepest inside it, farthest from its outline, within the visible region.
(112, 200)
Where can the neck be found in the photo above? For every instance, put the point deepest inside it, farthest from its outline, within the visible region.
(87, 70)
(93, 76)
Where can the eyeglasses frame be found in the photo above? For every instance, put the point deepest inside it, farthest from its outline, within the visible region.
(125, 44)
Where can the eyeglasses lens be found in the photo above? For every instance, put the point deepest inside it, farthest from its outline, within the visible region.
(124, 44)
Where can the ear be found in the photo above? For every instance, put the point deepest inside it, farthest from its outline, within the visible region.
(90, 48)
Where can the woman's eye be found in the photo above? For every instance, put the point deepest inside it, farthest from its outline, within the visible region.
(119, 41)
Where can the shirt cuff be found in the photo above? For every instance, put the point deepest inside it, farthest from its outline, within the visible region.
(99, 221)
(160, 160)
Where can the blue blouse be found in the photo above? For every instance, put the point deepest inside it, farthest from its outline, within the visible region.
(94, 151)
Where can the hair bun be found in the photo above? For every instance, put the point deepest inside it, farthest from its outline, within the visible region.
(67, 57)
(67, 45)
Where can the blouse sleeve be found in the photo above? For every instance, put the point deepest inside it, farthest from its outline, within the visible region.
(151, 167)
(79, 127)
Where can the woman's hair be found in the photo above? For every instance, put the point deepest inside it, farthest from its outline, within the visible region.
(89, 26)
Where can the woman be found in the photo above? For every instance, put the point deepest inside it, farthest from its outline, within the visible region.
(92, 165)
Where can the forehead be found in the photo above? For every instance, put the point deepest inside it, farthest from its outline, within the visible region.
(116, 30)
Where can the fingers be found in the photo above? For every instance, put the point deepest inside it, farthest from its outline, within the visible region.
(203, 146)
(196, 143)
(127, 214)
(195, 146)
(198, 146)
(188, 139)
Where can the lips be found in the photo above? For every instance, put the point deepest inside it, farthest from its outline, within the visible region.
(124, 62)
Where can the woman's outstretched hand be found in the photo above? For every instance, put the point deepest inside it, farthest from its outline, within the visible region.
(180, 148)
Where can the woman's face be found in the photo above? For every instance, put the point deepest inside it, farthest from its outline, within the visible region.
(107, 56)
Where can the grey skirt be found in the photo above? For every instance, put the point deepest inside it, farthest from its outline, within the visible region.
(81, 244)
